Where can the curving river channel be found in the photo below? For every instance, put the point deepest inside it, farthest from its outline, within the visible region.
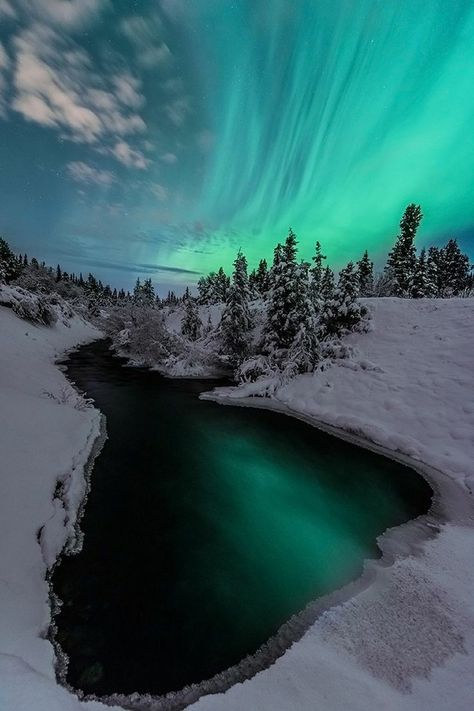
(207, 527)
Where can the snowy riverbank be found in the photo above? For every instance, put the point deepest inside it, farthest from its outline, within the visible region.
(47, 436)
(404, 642)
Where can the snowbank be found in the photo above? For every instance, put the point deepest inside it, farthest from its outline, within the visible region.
(47, 433)
(405, 642)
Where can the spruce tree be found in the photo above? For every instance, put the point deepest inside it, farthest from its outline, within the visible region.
(262, 277)
(304, 352)
(317, 273)
(280, 328)
(192, 324)
(424, 282)
(365, 273)
(9, 266)
(343, 312)
(236, 321)
(455, 269)
(147, 292)
(402, 258)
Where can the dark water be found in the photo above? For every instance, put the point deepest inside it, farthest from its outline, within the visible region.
(207, 527)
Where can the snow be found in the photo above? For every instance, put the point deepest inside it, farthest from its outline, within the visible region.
(405, 641)
(401, 639)
(47, 435)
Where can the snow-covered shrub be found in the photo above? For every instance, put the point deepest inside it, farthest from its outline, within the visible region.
(28, 306)
(35, 309)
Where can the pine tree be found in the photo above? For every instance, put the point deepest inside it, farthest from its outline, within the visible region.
(262, 277)
(147, 293)
(423, 284)
(365, 273)
(59, 275)
(222, 284)
(192, 324)
(236, 321)
(280, 329)
(304, 351)
(137, 291)
(253, 284)
(402, 258)
(343, 312)
(291, 330)
(9, 266)
(317, 273)
(455, 269)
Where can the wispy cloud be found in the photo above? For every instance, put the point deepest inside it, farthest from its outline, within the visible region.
(144, 268)
(4, 64)
(129, 156)
(84, 173)
(177, 110)
(145, 34)
(169, 158)
(66, 13)
(57, 85)
(159, 191)
(7, 10)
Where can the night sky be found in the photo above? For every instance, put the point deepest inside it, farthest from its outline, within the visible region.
(156, 137)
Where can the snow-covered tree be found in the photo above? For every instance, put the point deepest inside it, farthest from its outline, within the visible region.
(304, 351)
(148, 292)
(365, 273)
(422, 284)
(343, 312)
(455, 268)
(402, 258)
(236, 321)
(280, 330)
(192, 324)
(317, 272)
(262, 277)
(290, 331)
(9, 266)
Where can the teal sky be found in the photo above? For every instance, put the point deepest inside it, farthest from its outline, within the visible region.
(156, 137)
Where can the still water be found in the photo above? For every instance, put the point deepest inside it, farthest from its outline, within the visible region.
(207, 527)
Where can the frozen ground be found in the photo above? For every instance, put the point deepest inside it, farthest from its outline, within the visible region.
(404, 642)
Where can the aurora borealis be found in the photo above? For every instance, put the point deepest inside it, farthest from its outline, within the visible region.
(156, 137)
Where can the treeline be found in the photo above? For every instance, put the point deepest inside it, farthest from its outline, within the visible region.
(38, 277)
(439, 272)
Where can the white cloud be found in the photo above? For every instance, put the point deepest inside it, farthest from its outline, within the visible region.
(129, 157)
(66, 13)
(169, 158)
(84, 173)
(145, 34)
(4, 64)
(160, 192)
(177, 110)
(7, 9)
(128, 91)
(57, 86)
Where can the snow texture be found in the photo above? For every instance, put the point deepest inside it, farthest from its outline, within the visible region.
(404, 641)
(47, 433)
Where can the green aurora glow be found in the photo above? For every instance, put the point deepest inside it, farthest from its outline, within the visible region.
(241, 119)
(332, 116)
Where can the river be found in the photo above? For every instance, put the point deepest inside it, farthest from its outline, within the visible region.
(207, 527)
